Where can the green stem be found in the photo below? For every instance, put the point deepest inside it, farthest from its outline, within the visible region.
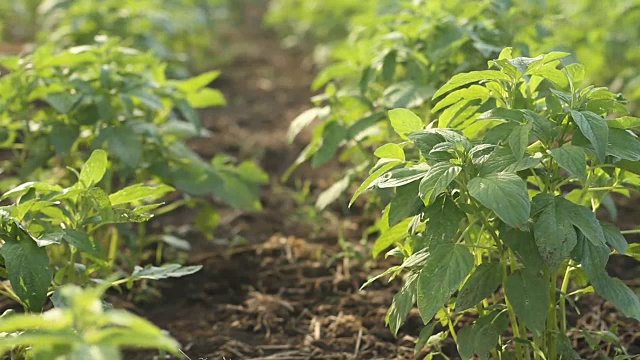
(113, 246)
(552, 317)
(563, 298)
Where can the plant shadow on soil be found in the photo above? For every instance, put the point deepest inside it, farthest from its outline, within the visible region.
(273, 296)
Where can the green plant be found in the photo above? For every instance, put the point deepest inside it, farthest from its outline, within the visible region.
(55, 106)
(397, 59)
(178, 32)
(80, 326)
(495, 208)
(53, 236)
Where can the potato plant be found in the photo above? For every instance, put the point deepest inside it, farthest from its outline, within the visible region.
(80, 326)
(397, 59)
(53, 236)
(178, 32)
(56, 106)
(496, 212)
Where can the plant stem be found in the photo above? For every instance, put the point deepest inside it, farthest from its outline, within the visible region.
(552, 317)
(563, 298)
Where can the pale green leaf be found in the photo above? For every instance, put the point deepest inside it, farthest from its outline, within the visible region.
(404, 122)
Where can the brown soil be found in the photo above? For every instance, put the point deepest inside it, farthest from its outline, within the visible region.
(275, 294)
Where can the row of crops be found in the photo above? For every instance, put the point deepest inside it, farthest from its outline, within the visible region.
(94, 119)
(496, 135)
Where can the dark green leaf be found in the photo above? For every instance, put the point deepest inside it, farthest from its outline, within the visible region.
(126, 145)
(553, 230)
(481, 337)
(571, 158)
(81, 240)
(594, 128)
(483, 282)
(593, 258)
(527, 293)
(63, 102)
(402, 176)
(28, 270)
(406, 94)
(519, 139)
(446, 268)
(437, 180)
(406, 203)
(523, 244)
(623, 144)
(619, 294)
(402, 303)
(584, 219)
(62, 137)
(389, 65)
(444, 220)
(423, 338)
(613, 237)
(505, 194)
(371, 179)
(332, 136)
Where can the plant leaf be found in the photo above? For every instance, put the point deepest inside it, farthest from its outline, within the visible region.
(571, 158)
(437, 180)
(553, 231)
(466, 78)
(614, 237)
(595, 129)
(404, 122)
(481, 337)
(526, 292)
(164, 271)
(483, 282)
(446, 268)
(93, 169)
(402, 303)
(392, 235)
(505, 194)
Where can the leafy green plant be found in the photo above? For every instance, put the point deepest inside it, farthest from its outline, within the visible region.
(496, 201)
(80, 326)
(53, 236)
(56, 106)
(178, 32)
(396, 59)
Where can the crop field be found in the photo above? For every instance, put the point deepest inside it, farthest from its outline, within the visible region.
(297, 179)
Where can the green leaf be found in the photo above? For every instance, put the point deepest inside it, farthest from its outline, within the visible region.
(446, 268)
(28, 270)
(584, 219)
(595, 129)
(93, 169)
(593, 258)
(404, 122)
(623, 144)
(553, 230)
(389, 65)
(619, 294)
(481, 337)
(392, 235)
(613, 237)
(466, 78)
(63, 102)
(444, 220)
(571, 158)
(423, 338)
(625, 122)
(523, 244)
(369, 181)
(63, 136)
(505, 194)
(390, 151)
(81, 240)
(125, 144)
(405, 203)
(138, 192)
(402, 303)
(206, 97)
(399, 177)
(164, 272)
(530, 301)
(518, 140)
(483, 282)
(437, 180)
(301, 121)
(198, 82)
(332, 135)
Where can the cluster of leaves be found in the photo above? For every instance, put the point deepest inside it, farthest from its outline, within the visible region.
(83, 328)
(57, 105)
(398, 60)
(501, 192)
(173, 30)
(400, 56)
